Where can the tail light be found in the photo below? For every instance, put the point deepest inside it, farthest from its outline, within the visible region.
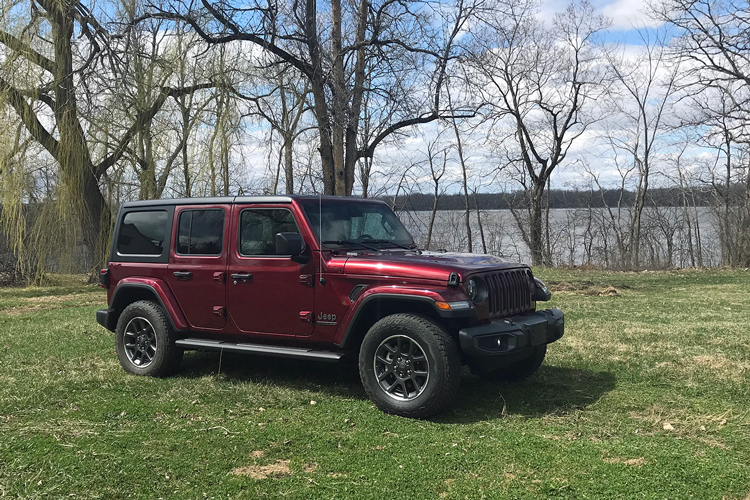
(104, 278)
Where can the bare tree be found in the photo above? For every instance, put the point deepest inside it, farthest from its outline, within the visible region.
(711, 38)
(645, 87)
(281, 101)
(334, 54)
(436, 160)
(538, 82)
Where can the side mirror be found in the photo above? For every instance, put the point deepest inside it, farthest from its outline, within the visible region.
(289, 244)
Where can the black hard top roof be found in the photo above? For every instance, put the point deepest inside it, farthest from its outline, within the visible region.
(230, 200)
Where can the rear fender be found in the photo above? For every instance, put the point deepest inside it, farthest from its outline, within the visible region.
(137, 288)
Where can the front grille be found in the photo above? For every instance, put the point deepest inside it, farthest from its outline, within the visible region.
(508, 292)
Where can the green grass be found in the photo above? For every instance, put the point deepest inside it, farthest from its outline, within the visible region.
(646, 396)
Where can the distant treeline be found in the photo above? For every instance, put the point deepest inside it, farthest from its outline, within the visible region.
(560, 198)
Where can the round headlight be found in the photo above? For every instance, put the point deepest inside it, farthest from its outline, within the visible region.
(540, 284)
(472, 290)
(541, 292)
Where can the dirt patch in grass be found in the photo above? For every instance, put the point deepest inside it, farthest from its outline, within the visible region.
(721, 366)
(53, 302)
(716, 366)
(276, 469)
(586, 288)
(59, 299)
(607, 291)
(701, 427)
(626, 461)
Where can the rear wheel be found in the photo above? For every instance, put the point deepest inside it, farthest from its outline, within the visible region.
(145, 340)
(520, 370)
(409, 366)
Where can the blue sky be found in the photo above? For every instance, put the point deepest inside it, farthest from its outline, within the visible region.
(626, 16)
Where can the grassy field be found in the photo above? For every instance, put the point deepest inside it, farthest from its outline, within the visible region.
(646, 396)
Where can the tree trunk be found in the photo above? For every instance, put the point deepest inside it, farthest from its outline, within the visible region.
(467, 207)
(479, 223)
(432, 215)
(364, 176)
(185, 161)
(640, 202)
(73, 155)
(536, 223)
(288, 165)
(317, 85)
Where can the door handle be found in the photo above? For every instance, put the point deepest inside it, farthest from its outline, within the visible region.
(183, 275)
(244, 277)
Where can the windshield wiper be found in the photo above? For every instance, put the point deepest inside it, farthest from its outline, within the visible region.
(392, 243)
(348, 242)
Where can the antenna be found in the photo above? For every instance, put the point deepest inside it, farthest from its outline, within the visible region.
(321, 279)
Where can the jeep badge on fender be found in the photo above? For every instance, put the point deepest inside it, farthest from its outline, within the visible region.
(326, 319)
(319, 278)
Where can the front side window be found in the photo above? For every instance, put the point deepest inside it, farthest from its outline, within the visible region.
(258, 229)
(142, 233)
(200, 232)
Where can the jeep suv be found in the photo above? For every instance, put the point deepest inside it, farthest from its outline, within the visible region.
(318, 278)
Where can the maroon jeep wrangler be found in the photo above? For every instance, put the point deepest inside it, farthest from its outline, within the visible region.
(318, 278)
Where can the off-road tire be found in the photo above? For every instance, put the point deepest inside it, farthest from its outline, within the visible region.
(167, 357)
(520, 370)
(440, 351)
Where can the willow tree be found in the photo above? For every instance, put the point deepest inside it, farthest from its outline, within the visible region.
(47, 70)
(335, 47)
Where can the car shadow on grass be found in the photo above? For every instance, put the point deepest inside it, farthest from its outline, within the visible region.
(553, 390)
(335, 379)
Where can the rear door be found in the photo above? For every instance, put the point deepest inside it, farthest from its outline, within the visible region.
(197, 264)
(267, 293)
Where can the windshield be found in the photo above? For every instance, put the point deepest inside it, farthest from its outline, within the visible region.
(365, 225)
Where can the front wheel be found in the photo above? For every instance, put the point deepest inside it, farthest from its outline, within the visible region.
(409, 366)
(145, 340)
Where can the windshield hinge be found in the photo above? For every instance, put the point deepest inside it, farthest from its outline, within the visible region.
(453, 280)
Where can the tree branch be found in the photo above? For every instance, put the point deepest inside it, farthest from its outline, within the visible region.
(420, 120)
(29, 118)
(27, 52)
(236, 35)
(141, 121)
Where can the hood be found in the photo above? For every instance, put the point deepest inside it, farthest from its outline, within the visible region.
(427, 265)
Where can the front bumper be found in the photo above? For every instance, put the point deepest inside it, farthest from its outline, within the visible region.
(103, 317)
(503, 337)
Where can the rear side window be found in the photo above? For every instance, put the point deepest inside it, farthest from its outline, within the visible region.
(142, 233)
(258, 230)
(200, 232)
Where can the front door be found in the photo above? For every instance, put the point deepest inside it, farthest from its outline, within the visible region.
(267, 293)
(197, 264)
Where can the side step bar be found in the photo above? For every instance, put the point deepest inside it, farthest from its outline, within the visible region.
(265, 350)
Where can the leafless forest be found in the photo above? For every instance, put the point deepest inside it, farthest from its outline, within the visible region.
(134, 99)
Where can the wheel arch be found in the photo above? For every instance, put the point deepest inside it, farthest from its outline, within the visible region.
(378, 306)
(127, 293)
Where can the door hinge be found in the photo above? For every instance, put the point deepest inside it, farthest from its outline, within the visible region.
(219, 311)
(219, 277)
(305, 316)
(306, 279)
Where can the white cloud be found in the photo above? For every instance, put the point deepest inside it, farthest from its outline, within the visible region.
(624, 14)
(628, 14)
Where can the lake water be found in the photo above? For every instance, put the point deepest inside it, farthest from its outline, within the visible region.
(579, 236)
